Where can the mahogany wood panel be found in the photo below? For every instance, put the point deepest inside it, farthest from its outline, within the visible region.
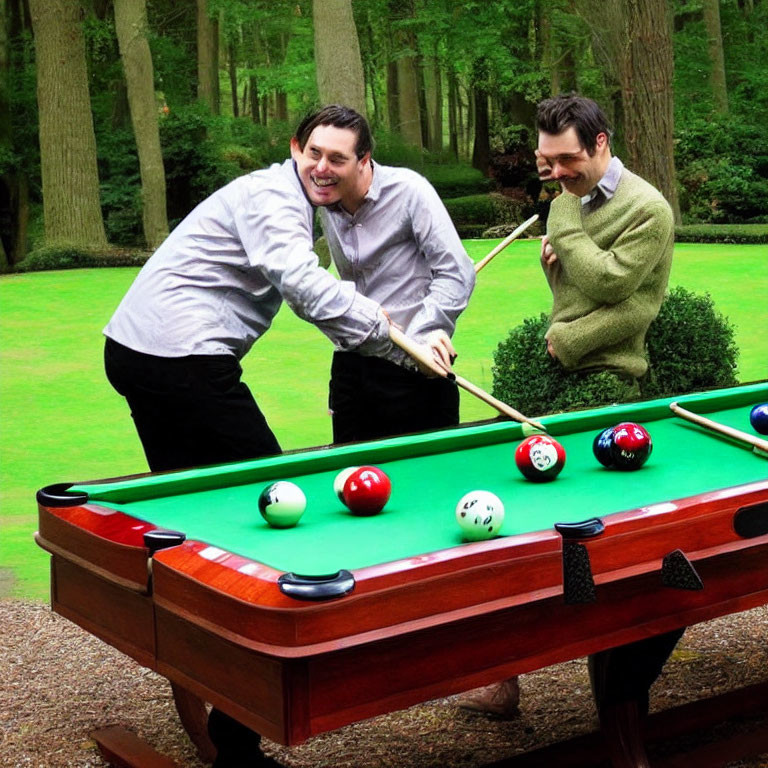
(121, 617)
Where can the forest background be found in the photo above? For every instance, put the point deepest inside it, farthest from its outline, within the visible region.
(118, 116)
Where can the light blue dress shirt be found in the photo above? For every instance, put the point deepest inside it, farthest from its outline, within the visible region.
(216, 283)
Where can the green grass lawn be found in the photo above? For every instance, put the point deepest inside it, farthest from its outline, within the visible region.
(61, 421)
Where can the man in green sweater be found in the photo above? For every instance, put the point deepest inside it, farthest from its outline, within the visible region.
(608, 249)
(606, 256)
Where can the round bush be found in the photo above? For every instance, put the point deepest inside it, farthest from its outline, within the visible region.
(527, 378)
(690, 347)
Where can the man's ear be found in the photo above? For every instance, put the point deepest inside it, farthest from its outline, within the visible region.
(365, 160)
(601, 141)
(295, 148)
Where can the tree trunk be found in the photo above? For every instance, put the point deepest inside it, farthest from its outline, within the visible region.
(453, 120)
(410, 115)
(370, 74)
(481, 151)
(422, 94)
(71, 208)
(647, 69)
(338, 64)
(207, 58)
(254, 96)
(281, 106)
(232, 71)
(393, 97)
(7, 181)
(437, 106)
(131, 28)
(715, 47)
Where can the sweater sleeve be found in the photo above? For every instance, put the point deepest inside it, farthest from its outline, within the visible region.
(608, 277)
(604, 327)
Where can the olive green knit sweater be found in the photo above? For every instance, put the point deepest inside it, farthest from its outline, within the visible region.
(610, 276)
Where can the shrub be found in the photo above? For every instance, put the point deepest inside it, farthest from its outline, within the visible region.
(451, 181)
(484, 210)
(722, 233)
(716, 183)
(527, 378)
(690, 347)
(471, 231)
(66, 256)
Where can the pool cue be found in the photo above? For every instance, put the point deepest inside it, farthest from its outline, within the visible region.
(759, 446)
(428, 361)
(506, 241)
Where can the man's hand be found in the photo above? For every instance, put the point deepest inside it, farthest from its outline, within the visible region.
(442, 348)
(548, 255)
(543, 168)
(551, 350)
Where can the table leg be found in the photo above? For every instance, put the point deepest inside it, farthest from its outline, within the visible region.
(193, 714)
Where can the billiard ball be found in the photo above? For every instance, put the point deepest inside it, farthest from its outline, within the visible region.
(631, 445)
(480, 515)
(282, 504)
(602, 445)
(339, 480)
(366, 490)
(540, 458)
(758, 418)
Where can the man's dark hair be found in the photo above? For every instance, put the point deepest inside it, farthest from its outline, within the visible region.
(559, 113)
(338, 117)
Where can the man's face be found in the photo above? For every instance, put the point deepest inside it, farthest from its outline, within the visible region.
(329, 169)
(570, 163)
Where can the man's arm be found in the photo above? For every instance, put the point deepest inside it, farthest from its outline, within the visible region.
(608, 277)
(604, 327)
(276, 231)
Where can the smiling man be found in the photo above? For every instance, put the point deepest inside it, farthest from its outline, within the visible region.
(608, 250)
(389, 234)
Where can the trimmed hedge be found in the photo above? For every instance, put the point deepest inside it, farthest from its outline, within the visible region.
(722, 233)
(63, 256)
(479, 212)
(452, 181)
(690, 347)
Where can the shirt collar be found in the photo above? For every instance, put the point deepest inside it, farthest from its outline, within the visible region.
(375, 189)
(608, 184)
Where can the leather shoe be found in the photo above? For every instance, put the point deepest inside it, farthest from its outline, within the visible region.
(500, 699)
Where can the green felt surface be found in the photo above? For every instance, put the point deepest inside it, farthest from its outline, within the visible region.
(419, 517)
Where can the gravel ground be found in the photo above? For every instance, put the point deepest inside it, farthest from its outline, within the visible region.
(57, 683)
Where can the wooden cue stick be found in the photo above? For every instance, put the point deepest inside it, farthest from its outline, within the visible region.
(506, 241)
(418, 354)
(759, 445)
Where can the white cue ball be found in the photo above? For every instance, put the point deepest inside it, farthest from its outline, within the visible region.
(282, 504)
(338, 483)
(480, 515)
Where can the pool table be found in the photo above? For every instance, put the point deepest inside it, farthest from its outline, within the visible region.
(302, 630)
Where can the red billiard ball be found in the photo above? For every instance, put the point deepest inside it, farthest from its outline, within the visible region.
(366, 491)
(631, 445)
(758, 418)
(540, 458)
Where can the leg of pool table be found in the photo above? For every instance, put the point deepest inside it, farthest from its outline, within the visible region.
(193, 714)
